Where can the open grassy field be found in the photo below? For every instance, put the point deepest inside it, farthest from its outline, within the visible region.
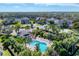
(6, 53)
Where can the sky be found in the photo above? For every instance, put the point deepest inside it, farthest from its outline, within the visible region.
(39, 7)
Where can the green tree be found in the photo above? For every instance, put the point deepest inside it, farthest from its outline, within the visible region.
(25, 52)
(64, 24)
(76, 25)
(17, 25)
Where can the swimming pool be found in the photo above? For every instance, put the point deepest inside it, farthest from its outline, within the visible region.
(42, 46)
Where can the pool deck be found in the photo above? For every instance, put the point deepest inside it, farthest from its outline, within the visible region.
(49, 43)
(31, 47)
(44, 40)
(40, 39)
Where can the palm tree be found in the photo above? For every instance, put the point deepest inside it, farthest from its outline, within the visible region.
(6, 43)
(25, 52)
(32, 21)
(18, 49)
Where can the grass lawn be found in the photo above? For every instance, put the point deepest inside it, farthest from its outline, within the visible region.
(1, 20)
(6, 53)
(0, 39)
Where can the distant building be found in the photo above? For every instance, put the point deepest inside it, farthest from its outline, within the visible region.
(14, 33)
(8, 21)
(70, 23)
(50, 19)
(22, 32)
(56, 21)
(37, 18)
(60, 22)
(18, 19)
(40, 18)
(25, 20)
(39, 26)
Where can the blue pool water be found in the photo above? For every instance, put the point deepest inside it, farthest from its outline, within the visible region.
(42, 46)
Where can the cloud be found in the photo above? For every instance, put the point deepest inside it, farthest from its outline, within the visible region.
(58, 4)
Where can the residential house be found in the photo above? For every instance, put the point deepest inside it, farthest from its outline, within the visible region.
(25, 20)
